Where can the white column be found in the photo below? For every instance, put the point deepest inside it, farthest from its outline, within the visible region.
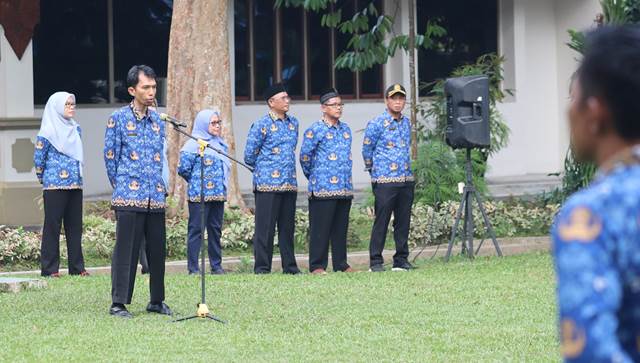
(16, 81)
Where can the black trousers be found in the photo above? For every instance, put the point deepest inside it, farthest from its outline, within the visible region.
(274, 209)
(396, 199)
(59, 206)
(131, 228)
(328, 222)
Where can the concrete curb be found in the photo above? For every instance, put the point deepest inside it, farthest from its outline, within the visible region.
(509, 246)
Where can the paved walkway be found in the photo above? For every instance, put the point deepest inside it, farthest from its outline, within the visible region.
(359, 260)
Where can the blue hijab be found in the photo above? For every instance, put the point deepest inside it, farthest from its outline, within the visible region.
(201, 131)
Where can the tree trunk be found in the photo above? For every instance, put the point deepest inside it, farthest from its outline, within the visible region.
(198, 78)
(412, 80)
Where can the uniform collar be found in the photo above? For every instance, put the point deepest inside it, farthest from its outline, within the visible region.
(275, 117)
(387, 115)
(338, 124)
(136, 113)
(626, 157)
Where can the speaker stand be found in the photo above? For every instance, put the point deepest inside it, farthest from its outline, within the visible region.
(469, 193)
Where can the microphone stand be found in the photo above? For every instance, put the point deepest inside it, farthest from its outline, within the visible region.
(202, 311)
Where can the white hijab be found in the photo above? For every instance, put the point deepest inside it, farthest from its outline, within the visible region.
(61, 132)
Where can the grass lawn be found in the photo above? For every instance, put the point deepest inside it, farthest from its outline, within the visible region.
(490, 309)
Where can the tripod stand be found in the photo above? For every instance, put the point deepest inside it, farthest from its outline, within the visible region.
(203, 310)
(469, 193)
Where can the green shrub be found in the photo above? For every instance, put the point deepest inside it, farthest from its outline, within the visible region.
(18, 245)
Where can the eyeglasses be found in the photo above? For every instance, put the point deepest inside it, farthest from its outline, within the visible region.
(68, 104)
(335, 105)
(215, 123)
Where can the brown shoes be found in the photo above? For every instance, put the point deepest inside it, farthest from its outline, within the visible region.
(319, 271)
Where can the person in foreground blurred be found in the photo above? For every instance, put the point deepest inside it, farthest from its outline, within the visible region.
(596, 234)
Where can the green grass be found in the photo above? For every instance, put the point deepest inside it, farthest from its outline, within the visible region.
(490, 309)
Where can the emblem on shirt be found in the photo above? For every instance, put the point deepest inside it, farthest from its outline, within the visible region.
(208, 162)
(263, 130)
(309, 134)
(305, 157)
(581, 226)
(291, 127)
(134, 155)
(160, 188)
(393, 166)
(131, 126)
(39, 145)
(333, 157)
(390, 144)
(111, 124)
(210, 185)
(155, 127)
(275, 174)
(275, 150)
(367, 141)
(403, 144)
(274, 127)
(134, 185)
(329, 135)
(156, 157)
(109, 154)
(346, 135)
(367, 161)
(386, 123)
(64, 174)
(313, 180)
(572, 338)
(333, 180)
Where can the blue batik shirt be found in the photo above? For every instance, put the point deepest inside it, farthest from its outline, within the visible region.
(134, 158)
(214, 184)
(325, 158)
(54, 169)
(270, 149)
(596, 245)
(385, 149)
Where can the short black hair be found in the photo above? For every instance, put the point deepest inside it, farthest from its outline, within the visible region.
(134, 72)
(610, 70)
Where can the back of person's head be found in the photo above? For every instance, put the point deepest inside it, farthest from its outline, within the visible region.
(610, 71)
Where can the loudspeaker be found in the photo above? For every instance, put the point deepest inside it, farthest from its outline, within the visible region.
(467, 112)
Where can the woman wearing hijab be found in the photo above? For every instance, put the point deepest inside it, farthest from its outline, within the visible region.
(207, 126)
(58, 160)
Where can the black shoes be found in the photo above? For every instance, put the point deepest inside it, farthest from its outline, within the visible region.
(120, 311)
(376, 268)
(405, 266)
(160, 308)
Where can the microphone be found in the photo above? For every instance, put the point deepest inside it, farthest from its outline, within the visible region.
(173, 120)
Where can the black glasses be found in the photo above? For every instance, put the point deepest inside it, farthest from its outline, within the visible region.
(336, 105)
(215, 123)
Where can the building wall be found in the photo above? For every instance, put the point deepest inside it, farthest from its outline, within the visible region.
(532, 38)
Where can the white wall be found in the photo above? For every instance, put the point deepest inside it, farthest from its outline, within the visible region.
(542, 69)
(534, 42)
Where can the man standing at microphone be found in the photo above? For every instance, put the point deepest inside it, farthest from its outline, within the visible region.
(134, 159)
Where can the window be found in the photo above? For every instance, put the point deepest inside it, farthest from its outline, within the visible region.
(472, 30)
(290, 45)
(72, 51)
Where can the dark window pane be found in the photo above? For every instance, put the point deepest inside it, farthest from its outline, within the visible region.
(371, 79)
(345, 79)
(471, 33)
(319, 55)
(263, 44)
(371, 82)
(141, 36)
(241, 48)
(292, 58)
(70, 50)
